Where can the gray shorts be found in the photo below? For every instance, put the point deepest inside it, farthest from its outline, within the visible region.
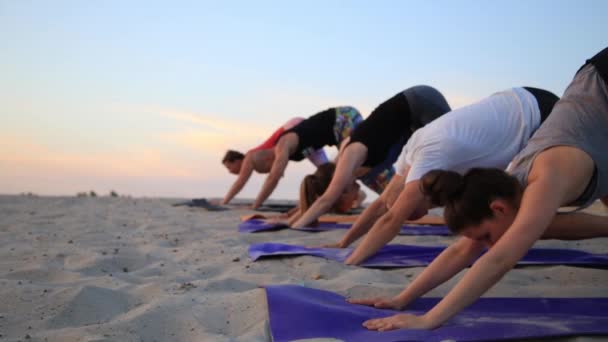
(580, 120)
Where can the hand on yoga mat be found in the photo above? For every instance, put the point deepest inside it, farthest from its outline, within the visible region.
(331, 245)
(399, 321)
(380, 303)
(275, 220)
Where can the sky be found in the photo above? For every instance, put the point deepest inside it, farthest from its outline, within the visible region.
(144, 97)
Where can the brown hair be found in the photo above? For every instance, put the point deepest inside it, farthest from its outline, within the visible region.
(232, 156)
(313, 186)
(467, 198)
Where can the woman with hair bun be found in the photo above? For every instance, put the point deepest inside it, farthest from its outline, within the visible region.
(563, 164)
(313, 186)
(488, 133)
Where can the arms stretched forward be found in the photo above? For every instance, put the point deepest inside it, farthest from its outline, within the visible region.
(286, 145)
(389, 225)
(244, 175)
(558, 176)
(350, 159)
(447, 264)
(378, 208)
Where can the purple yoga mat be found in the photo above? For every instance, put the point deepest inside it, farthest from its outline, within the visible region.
(298, 312)
(255, 226)
(413, 256)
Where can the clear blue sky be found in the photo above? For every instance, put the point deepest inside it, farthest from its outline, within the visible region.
(144, 97)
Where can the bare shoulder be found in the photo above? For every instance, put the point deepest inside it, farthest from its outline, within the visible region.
(288, 141)
(354, 154)
(251, 157)
(563, 161)
(565, 167)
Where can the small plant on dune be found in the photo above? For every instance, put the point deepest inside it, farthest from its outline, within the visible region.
(113, 193)
(92, 193)
(81, 194)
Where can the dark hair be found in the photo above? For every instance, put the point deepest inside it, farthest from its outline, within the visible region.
(232, 156)
(313, 186)
(467, 198)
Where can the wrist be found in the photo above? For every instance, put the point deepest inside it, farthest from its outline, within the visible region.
(429, 322)
(402, 301)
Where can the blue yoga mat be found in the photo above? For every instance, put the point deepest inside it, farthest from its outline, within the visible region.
(413, 256)
(298, 312)
(255, 226)
(205, 204)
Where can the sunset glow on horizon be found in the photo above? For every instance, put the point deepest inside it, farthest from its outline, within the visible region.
(144, 98)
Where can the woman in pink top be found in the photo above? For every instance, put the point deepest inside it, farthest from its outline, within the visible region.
(260, 159)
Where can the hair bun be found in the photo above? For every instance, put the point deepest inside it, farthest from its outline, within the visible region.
(442, 186)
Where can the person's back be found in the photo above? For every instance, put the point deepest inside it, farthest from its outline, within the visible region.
(488, 133)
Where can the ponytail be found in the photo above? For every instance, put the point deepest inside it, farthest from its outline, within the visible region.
(467, 198)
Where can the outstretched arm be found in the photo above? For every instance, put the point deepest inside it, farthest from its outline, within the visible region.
(557, 177)
(537, 210)
(378, 208)
(244, 174)
(281, 158)
(452, 260)
(351, 158)
(389, 225)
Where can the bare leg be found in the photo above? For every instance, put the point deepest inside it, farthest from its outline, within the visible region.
(577, 226)
(605, 201)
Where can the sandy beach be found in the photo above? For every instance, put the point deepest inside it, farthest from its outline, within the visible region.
(130, 269)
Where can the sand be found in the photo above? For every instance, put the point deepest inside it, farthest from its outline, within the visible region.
(123, 269)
